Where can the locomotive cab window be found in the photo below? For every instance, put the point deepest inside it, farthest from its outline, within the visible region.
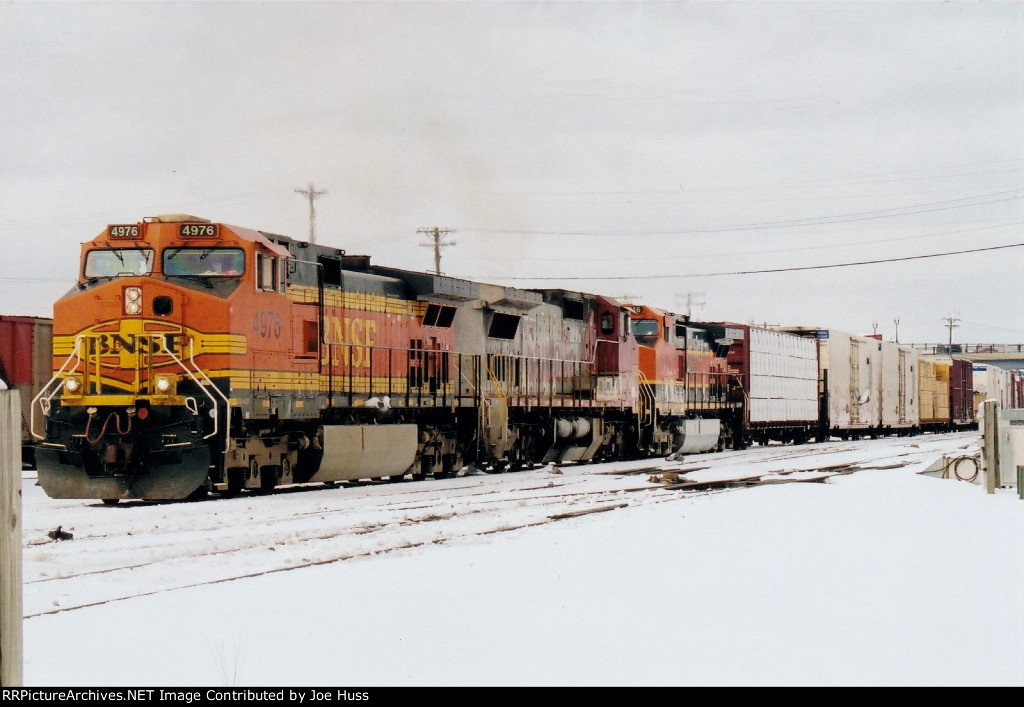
(646, 331)
(118, 262)
(204, 262)
(266, 272)
(269, 274)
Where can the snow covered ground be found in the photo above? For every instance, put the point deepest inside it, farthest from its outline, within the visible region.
(587, 575)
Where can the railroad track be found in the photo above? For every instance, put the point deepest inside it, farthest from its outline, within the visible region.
(141, 549)
(232, 552)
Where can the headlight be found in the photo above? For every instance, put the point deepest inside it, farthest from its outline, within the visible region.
(72, 384)
(133, 300)
(163, 384)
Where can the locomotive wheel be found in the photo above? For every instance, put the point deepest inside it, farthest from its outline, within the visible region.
(426, 464)
(236, 481)
(268, 478)
(448, 467)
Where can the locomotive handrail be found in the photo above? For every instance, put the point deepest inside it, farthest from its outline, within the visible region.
(649, 410)
(443, 380)
(75, 354)
(227, 401)
(199, 384)
(39, 396)
(579, 369)
(473, 386)
(491, 358)
(699, 394)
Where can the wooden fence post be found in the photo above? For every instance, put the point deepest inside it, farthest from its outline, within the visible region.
(10, 540)
(990, 444)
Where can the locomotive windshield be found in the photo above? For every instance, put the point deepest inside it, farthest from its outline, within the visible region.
(645, 330)
(208, 262)
(118, 262)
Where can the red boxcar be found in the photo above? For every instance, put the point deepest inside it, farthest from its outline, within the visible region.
(25, 351)
(961, 392)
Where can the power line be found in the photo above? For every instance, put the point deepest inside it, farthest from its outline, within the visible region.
(895, 212)
(993, 326)
(769, 270)
(692, 256)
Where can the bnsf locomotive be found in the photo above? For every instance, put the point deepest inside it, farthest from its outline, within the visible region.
(193, 357)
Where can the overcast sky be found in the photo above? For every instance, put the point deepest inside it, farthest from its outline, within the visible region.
(639, 149)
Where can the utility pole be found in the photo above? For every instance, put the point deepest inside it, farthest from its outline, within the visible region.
(691, 302)
(952, 322)
(311, 194)
(897, 323)
(437, 243)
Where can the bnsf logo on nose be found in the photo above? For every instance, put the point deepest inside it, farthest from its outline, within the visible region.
(119, 343)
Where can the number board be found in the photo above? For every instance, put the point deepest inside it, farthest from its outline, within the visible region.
(127, 230)
(197, 230)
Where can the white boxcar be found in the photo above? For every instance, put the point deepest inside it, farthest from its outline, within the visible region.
(899, 392)
(993, 382)
(849, 367)
(774, 376)
(783, 375)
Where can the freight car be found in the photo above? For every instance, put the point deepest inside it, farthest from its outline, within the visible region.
(25, 351)
(1006, 386)
(867, 387)
(773, 376)
(946, 393)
